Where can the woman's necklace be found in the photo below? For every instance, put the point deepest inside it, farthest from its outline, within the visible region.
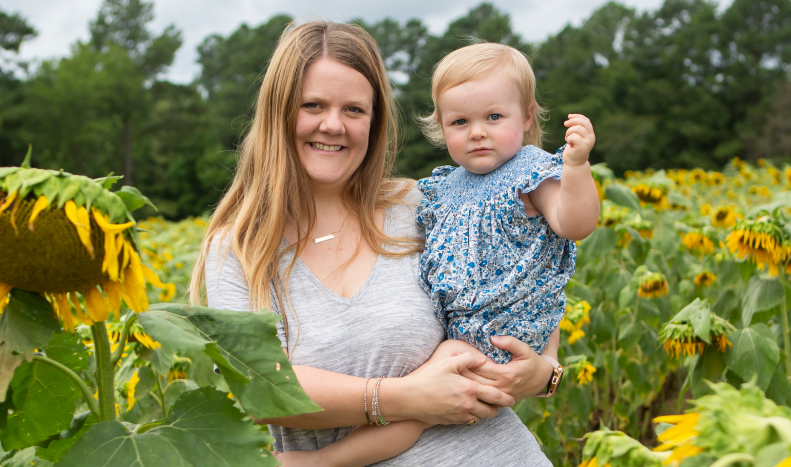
(331, 235)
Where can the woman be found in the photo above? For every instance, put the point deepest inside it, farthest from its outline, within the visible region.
(314, 228)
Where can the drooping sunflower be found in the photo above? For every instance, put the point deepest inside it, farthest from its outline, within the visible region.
(653, 285)
(681, 337)
(62, 235)
(761, 241)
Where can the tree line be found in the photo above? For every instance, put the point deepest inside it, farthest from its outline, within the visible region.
(684, 85)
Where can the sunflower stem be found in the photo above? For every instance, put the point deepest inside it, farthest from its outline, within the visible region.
(86, 392)
(161, 397)
(119, 351)
(104, 372)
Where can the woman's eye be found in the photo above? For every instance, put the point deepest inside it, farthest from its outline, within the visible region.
(460, 121)
(311, 105)
(495, 116)
(356, 110)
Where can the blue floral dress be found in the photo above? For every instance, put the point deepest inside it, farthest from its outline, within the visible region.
(490, 269)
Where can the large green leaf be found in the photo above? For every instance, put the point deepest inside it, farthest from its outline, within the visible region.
(600, 242)
(43, 396)
(57, 448)
(623, 196)
(26, 324)
(762, 294)
(203, 429)
(133, 199)
(754, 351)
(241, 344)
(25, 458)
(709, 366)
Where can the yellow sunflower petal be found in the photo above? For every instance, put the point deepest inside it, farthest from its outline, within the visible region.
(9, 199)
(61, 301)
(96, 305)
(81, 315)
(79, 218)
(5, 289)
(152, 278)
(42, 203)
(106, 226)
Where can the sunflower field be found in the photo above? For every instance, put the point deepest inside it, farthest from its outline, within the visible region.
(675, 341)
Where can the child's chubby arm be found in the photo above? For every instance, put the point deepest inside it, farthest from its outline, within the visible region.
(571, 205)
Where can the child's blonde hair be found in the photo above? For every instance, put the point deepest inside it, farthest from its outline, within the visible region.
(478, 61)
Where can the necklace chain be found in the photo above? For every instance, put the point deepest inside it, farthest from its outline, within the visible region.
(332, 234)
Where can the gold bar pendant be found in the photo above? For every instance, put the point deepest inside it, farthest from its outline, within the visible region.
(324, 238)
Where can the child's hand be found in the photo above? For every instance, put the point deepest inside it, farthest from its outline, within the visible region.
(301, 459)
(580, 139)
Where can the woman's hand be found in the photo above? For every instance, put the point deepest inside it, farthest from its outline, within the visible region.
(439, 395)
(526, 375)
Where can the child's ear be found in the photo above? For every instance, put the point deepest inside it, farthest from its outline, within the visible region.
(529, 117)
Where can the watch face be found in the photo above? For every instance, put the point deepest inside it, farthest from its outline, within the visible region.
(559, 371)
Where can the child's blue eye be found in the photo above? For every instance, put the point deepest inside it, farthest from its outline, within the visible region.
(460, 121)
(495, 116)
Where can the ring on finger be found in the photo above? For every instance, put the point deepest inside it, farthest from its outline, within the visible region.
(473, 420)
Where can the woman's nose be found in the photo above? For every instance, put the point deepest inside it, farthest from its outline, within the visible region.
(332, 123)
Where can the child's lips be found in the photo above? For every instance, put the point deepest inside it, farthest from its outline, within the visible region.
(480, 151)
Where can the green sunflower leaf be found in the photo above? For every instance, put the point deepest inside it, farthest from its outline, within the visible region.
(108, 181)
(25, 458)
(27, 323)
(243, 345)
(57, 448)
(203, 429)
(622, 196)
(6, 171)
(43, 396)
(754, 351)
(762, 294)
(133, 199)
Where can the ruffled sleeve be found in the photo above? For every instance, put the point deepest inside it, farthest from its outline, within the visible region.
(535, 166)
(430, 186)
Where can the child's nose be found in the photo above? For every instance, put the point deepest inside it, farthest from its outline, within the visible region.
(477, 131)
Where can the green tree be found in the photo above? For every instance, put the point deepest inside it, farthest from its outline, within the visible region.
(14, 30)
(124, 23)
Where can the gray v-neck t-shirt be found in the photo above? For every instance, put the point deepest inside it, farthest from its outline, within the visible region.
(387, 329)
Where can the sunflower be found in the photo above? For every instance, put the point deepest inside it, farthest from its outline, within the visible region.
(680, 337)
(698, 243)
(697, 176)
(760, 241)
(654, 194)
(680, 437)
(129, 389)
(612, 214)
(723, 216)
(705, 210)
(787, 173)
(705, 279)
(585, 374)
(653, 285)
(716, 178)
(62, 235)
(577, 315)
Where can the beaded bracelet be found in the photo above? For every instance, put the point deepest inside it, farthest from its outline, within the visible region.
(365, 401)
(378, 418)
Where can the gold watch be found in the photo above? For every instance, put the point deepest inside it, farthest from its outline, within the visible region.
(554, 380)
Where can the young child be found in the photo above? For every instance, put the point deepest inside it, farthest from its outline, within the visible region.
(500, 229)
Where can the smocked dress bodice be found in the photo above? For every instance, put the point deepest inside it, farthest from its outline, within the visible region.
(489, 268)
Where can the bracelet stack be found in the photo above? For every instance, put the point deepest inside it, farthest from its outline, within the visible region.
(376, 414)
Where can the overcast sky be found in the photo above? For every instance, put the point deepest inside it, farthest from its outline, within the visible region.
(60, 23)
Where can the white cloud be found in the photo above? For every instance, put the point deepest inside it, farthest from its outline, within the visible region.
(60, 23)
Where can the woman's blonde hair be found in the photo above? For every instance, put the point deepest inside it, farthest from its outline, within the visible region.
(271, 188)
(479, 61)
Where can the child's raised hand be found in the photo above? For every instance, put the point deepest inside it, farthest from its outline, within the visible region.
(580, 139)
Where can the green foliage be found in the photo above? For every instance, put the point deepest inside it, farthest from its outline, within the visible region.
(754, 351)
(26, 324)
(258, 372)
(43, 396)
(202, 429)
